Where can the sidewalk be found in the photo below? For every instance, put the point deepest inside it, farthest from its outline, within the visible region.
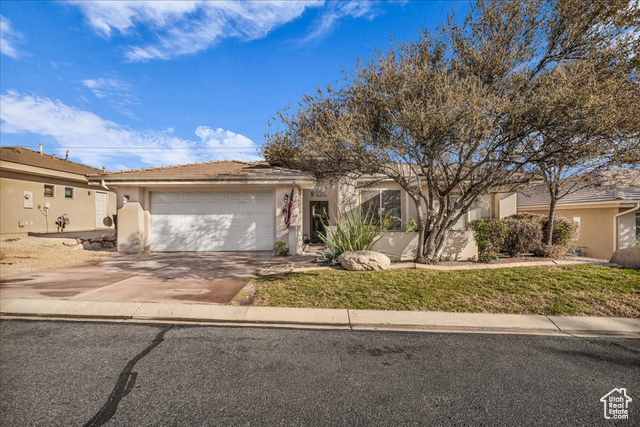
(323, 318)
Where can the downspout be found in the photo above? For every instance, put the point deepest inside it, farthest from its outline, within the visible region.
(615, 224)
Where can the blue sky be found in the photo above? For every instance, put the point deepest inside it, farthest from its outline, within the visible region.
(130, 84)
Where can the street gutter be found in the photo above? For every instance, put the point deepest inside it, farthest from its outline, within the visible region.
(318, 318)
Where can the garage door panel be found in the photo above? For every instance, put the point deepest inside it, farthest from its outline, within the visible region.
(212, 221)
(204, 196)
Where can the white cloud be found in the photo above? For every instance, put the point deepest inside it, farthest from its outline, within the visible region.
(103, 142)
(220, 138)
(8, 38)
(339, 10)
(187, 27)
(117, 93)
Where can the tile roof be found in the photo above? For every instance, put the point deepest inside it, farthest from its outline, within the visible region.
(610, 186)
(215, 170)
(46, 161)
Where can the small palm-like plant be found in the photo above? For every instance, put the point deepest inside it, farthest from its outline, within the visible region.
(354, 231)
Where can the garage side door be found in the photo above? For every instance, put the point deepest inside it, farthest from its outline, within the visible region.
(212, 221)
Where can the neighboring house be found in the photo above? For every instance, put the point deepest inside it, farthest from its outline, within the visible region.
(608, 211)
(36, 189)
(233, 205)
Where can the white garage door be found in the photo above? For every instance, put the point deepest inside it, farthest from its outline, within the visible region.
(212, 221)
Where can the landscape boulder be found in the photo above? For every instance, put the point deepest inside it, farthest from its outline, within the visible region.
(98, 239)
(70, 242)
(628, 257)
(364, 261)
(87, 245)
(110, 238)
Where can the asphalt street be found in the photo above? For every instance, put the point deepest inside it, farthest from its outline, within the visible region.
(83, 373)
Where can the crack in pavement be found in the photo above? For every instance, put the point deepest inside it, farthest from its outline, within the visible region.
(124, 384)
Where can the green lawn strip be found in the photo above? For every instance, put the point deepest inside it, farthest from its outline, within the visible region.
(571, 290)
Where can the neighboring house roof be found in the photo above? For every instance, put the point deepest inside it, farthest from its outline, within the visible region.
(28, 157)
(226, 170)
(609, 186)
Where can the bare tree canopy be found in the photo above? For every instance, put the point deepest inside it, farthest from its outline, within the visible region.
(474, 106)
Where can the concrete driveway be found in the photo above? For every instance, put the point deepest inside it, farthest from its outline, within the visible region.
(210, 277)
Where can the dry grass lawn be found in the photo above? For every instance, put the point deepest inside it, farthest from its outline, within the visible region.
(26, 254)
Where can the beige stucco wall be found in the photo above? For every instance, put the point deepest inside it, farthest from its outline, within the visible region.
(505, 204)
(397, 244)
(81, 210)
(626, 229)
(131, 228)
(596, 228)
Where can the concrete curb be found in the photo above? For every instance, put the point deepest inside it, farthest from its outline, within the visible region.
(433, 321)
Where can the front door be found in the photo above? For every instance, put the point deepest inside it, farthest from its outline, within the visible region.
(319, 218)
(101, 209)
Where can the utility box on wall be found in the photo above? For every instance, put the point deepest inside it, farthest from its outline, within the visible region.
(28, 200)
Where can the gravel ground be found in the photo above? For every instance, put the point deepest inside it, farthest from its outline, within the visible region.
(26, 254)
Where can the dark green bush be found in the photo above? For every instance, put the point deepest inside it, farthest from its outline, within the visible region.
(489, 235)
(280, 248)
(523, 235)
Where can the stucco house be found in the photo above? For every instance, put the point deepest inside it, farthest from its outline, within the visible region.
(234, 205)
(608, 211)
(36, 189)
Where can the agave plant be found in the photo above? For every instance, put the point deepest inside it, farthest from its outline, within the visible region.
(354, 231)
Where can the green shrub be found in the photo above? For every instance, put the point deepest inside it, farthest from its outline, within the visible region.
(565, 231)
(280, 248)
(389, 223)
(489, 235)
(352, 232)
(412, 225)
(523, 235)
(550, 251)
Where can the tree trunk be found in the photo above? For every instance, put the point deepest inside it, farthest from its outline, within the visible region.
(430, 249)
(548, 233)
(422, 225)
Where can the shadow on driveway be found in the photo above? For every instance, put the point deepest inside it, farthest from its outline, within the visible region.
(211, 277)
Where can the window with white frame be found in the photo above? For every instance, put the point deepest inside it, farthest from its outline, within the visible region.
(384, 205)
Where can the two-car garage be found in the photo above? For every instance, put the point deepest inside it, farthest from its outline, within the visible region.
(211, 221)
